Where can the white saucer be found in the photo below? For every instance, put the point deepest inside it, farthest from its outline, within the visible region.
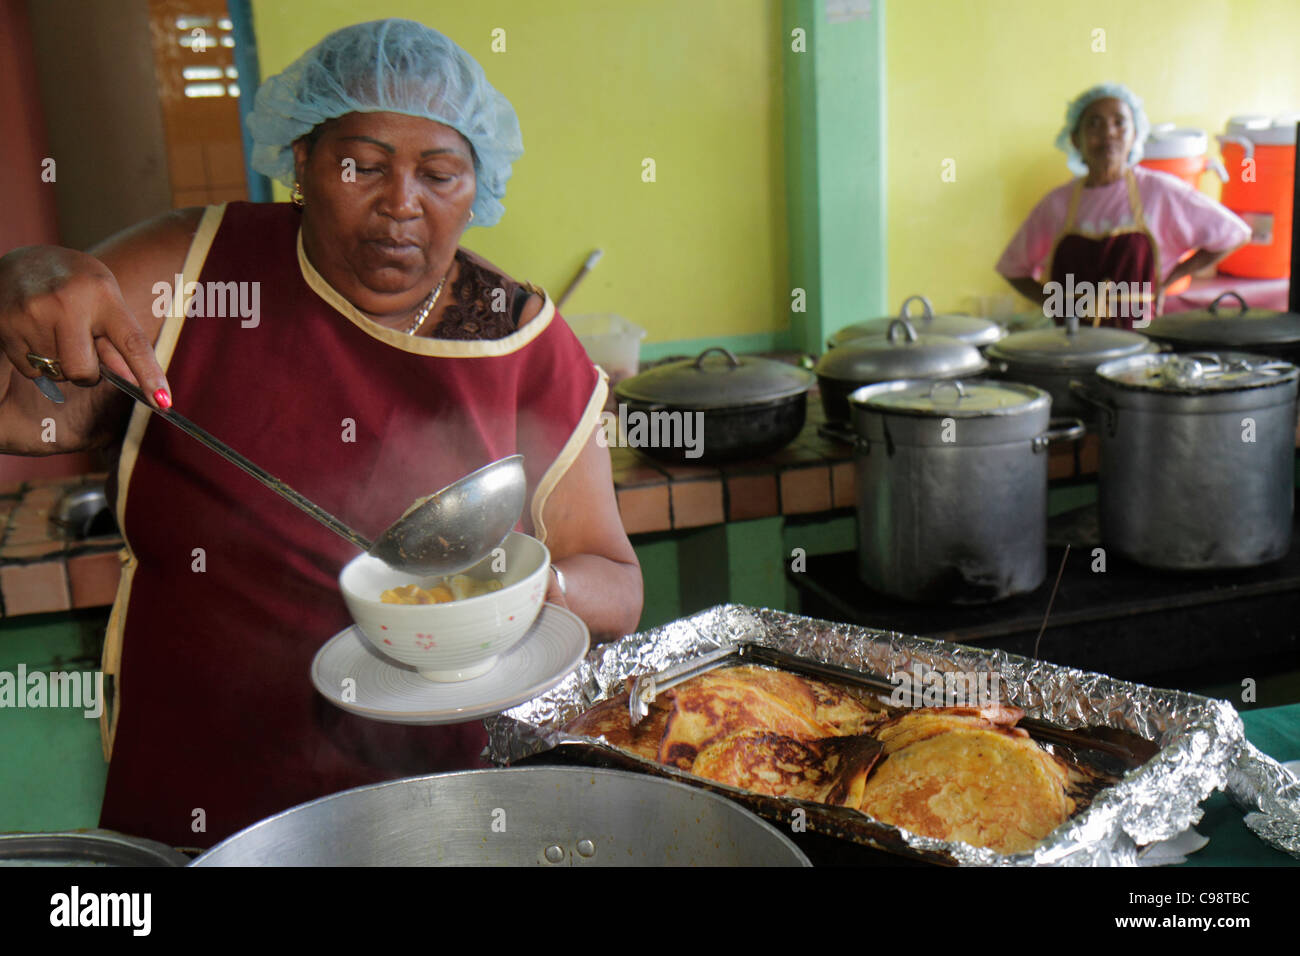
(395, 693)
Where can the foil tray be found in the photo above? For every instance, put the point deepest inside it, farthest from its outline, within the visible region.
(1196, 745)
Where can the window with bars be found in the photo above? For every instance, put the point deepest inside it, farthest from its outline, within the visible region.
(199, 91)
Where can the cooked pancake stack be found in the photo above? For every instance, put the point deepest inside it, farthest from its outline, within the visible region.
(952, 773)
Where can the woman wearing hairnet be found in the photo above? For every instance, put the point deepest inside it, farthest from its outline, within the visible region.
(1118, 222)
(383, 362)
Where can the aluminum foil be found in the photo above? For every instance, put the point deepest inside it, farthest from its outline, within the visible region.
(1202, 741)
(1264, 787)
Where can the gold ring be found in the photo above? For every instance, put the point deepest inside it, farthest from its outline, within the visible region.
(46, 366)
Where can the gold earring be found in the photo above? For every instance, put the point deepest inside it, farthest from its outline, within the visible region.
(471, 215)
(296, 197)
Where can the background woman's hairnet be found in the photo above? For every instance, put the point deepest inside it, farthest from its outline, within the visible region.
(396, 66)
(1074, 112)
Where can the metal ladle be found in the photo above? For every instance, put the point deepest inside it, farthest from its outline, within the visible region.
(443, 533)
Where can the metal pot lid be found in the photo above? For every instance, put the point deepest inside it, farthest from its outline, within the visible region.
(1069, 347)
(900, 353)
(950, 398)
(1197, 373)
(716, 381)
(1229, 323)
(968, 328)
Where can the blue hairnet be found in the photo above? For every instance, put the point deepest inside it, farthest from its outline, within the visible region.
(396, 66)
(1074, 112)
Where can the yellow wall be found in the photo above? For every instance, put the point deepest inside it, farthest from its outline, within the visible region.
(986, 83)
(599, 85)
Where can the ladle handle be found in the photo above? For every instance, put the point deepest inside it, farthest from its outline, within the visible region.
(239, 461)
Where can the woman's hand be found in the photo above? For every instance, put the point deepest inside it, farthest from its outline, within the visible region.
(1203, 259)
(66, 305)
(80, 310)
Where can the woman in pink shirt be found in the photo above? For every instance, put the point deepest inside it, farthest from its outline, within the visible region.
(1108, 243)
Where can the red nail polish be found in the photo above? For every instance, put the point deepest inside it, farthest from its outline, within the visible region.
(162, 398)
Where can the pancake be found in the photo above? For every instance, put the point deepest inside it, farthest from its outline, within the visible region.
(917, 725)
(609, 719)
(832, 770)
(724, 702)
(964, 777)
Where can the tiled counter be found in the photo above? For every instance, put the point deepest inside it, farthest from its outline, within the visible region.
(42, 571)
(810, 476)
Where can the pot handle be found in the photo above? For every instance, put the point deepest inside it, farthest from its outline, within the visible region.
(731, 358)
(1214, 306)
(961, 392)
(908, 330)
(1060, 429)
(927, 312)
(1085, 394)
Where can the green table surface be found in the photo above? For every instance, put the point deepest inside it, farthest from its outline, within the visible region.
(1275, 731)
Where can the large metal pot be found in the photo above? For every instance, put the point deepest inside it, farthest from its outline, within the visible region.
(1197, 458)
(901, 353)
(746, 407)
(952, 488)
(1257, 331)
(1052, 358)
(85, 848)
(970, 329)
(523, 816)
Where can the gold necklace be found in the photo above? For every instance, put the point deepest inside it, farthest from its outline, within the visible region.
(429, 303)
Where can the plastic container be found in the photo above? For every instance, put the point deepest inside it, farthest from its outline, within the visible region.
(612, 342)
(1265, 201)
(1181, 153)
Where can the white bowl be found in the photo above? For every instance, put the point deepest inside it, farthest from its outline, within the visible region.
(458, 640)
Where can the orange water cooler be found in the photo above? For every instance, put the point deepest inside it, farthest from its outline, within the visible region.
(1259, 154)
(1181, 153)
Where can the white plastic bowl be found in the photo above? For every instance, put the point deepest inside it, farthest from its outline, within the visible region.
(459, 640)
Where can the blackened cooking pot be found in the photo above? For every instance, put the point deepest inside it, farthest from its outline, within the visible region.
(900, 354)
(1255, 331)
(713, 408)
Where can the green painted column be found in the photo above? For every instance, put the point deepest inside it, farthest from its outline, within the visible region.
(52, 770)
(835, 165)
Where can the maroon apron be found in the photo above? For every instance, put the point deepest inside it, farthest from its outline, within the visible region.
(1127, 254)
(229, 591)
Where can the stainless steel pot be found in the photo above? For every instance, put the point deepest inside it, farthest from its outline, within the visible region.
(970, 329)
(523, 816)
(1197, 458)
(902, 353)
(748, 406)
(1052, 358)
(85, 848)
(952, 488)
